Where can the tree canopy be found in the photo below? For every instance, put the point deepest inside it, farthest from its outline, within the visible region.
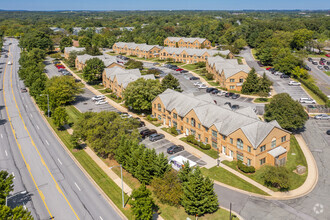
(36, 39)
(170, 82)
(93, 70)
(289, 113)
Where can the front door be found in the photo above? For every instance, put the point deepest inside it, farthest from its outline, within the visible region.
(224, 150)
(231, 154)
(187, 131)
(169, 123)
(164, 121)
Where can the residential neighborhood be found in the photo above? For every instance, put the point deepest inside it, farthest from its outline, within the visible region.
(148, 112)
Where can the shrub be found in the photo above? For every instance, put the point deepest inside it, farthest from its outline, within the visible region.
(191, 139)
(205, 147)
(173, 131)
(277, 177)
(107, 90)
(244, 168)
(209, 76)
(149, 118)
(200, 64)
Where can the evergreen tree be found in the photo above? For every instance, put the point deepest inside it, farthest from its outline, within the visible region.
(143, 168)
(264, 85)
(184, 172)
(161, 165)
(142, 203)
(170, 82)
(199, 197)
(251, 82)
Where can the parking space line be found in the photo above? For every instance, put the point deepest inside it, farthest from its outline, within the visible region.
(6, 153)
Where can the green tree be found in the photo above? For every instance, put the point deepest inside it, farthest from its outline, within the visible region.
(240, 43)
(276, 177)
(60, 116)
(249, 85)
(93, 70)
(198, 194)
(300, 73)
(184, 172)
(139, 94)
(72, 57)
(65, 42)
(37, 87)
(289, 113)
(6, 185)
(170, 82)
(36, 39)
(37, 55)
(61, 90)
(134, 64)
(93, 51)
(168, 189)
(85, 42)
(142, 203)
(6, 213)
(264, 85)
(301, 37)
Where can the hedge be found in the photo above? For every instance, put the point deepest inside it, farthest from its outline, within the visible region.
(244, 168)
(191, 139)
(310, 85)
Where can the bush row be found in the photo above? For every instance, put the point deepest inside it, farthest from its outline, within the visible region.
(244, 168)
(310, 85)
(191, 139)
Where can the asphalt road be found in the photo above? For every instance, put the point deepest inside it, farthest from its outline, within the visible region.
(66, 191)
(322, 80)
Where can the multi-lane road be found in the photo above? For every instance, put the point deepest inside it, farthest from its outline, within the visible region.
(47, 180)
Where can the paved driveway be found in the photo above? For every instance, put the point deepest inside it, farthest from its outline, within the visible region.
(322, 80)
(161, 146)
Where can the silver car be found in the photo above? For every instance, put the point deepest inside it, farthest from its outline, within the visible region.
(322, 117)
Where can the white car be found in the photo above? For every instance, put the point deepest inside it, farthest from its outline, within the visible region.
(98, 97)
(322, 117)
(307, 100)
(294, 83)
(100, 102)
(221, 93)
(9, 63)
(197, 83)
(278, 73)
(202, 86)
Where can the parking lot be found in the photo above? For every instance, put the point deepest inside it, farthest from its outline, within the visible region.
(322, 80)
(83, 101)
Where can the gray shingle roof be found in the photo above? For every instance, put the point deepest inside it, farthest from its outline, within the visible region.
(71, 49)
(107, 59)
(192, 52)
(125, 76)
(187, 39)
(225, 120)
(132, 45)
(229, 66)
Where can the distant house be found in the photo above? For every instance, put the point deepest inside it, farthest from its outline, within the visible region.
(76, 30)
(109, 61)
(228, 72)
(126, 28)
(238, 135)
(139, 50)
(68, 50)
(57, 29)
(117, 79)
(191, 42)
(188, 55)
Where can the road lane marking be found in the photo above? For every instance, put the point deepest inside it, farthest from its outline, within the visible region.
(47, 143)
(19, 146)
(31, 115)
(37, 127)
(1, 136)
(26, 106)
(101, 218)
(77, 186)
(59, 161)
(13, 174)
(6, 153)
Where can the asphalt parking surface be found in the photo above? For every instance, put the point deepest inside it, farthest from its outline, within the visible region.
(322, 80)
(324, 126)
(161, 146)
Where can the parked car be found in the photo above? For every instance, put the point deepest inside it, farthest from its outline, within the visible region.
(260, 64)
(321, 63)
(310, 59)
(327, 55)
(215, 91)
(194, 78)
(323, 60)
(314, 62)
(155, 64)
(235, 96)
(277, 73)
(98, 97)
(156, 137)
(184, 71)
(197, 83)
(100, 102)
(328, 132)
(148, 132)
(320, 67)
(175, 149)
(268, 68)
(328, 62)
(210, 89)
(221, 93)
(284, 76)
(23, 90)
(229, 94)
(326, 67)
(307, 68)
(66, 74)
(202, 86)
(9, 63)
(294, 83)
(307, 100)
(179, 69)
(322, 117)
(235, 107)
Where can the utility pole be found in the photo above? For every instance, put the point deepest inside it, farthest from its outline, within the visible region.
(122, 183)
(48, 112)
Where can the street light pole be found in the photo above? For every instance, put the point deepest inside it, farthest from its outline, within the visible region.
(122, 182)
(48, 112)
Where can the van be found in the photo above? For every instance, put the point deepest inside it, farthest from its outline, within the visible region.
(307, 100)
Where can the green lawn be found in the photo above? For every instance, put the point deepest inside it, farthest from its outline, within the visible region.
(114, 99)
(292, 162)
(254, 51)
(98, 86)
(99, 176)
(104, 91)
(73, 113)
(212, 153)
(313, 95)
(168, 131)
(224, 176)
(327, 72)
(212, 83)
(190, 66)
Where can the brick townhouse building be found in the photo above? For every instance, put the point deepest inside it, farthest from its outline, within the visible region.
(68, 50)
(187, 42)
(238, 135)
(109, 61)
(227, 72)
(139, 50)
(117, 79)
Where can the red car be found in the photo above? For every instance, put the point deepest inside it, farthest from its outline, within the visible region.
(178, 69)
(268, 68)
(327, 55)
(60, 67)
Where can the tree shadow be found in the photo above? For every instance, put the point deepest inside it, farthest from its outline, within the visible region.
(19, 199)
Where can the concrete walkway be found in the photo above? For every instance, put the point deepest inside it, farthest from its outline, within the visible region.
(211, 162)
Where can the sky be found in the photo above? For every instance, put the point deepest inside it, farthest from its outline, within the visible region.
(107, 5)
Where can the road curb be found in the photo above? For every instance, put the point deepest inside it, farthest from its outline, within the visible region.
(79, 165)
